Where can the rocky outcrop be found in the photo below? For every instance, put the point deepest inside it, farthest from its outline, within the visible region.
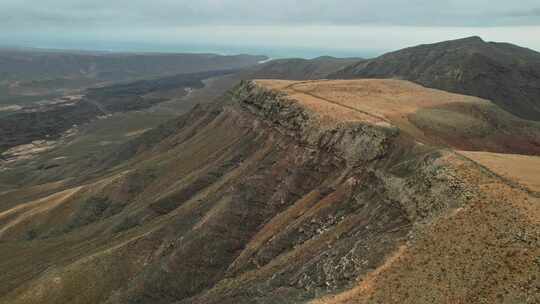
(354, 142)
(361, 145)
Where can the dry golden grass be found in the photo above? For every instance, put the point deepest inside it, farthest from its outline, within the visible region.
(523, 169)
(490, 244)
(25, 212)
(14, 197)
(376, 101)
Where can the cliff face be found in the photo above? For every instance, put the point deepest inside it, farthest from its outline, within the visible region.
(352, 141)
(262, 197)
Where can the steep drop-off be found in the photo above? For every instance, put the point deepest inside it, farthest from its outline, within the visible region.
(287, 192)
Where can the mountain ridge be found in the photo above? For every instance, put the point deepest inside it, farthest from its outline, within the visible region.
(506, 74)
(267, 195)
(293, 190)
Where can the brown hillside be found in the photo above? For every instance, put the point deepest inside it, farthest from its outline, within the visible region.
(504, 73)
(430, 116)
(290, 192)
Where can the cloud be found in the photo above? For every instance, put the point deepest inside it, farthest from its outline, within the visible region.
(322, 24)
(163, 13)
(535, 12)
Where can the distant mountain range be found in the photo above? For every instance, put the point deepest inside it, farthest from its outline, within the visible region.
(35, 64)
(29, 75)
(300, 69)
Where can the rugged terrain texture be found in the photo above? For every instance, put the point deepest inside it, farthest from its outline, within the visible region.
(504, 73)
(291, 192)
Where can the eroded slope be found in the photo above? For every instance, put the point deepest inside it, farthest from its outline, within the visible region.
(283, 192)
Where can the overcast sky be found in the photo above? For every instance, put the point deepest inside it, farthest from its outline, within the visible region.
(310, 27)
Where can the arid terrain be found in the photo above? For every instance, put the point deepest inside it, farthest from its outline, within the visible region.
(76, 89)
(324, 191)
(504, 73)
(269, 152)
(520, 169)
(29, 75)
(222, 179)
(433, 117)
(450, 253)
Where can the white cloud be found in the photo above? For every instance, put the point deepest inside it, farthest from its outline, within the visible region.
(84, 13)
(319, 24)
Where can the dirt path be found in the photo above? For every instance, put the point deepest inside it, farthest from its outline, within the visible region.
(299, 91)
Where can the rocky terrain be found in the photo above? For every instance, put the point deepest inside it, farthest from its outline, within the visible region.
(507, 74)
(363, 191)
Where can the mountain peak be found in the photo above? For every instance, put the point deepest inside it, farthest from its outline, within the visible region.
(471, 39)
(467, 41)
(454, 65)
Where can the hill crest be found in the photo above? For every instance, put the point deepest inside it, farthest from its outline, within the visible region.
(506, 74)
